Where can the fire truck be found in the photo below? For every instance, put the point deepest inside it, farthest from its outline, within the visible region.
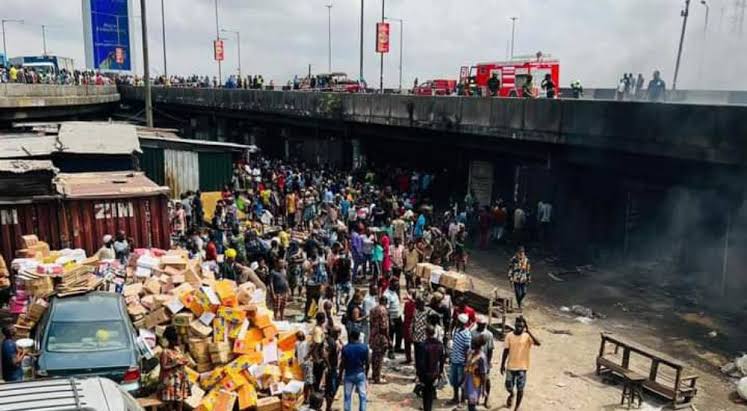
(513, 74)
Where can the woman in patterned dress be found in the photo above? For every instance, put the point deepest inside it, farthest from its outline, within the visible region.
(174, 381)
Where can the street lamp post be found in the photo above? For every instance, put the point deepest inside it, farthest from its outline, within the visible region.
(705, 38)
(360, 74)
(513, 34)
(146, 68)
(44, 39)
(163, 39)
(5, 48)
(217, 38)
(381, 68)
(238, 47)
(329, 36)
(684, 15)
(401, 42)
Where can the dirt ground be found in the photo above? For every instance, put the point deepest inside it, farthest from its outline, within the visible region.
(562, 372)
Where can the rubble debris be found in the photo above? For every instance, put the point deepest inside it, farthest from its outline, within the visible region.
(582, 311)
(584, 320)
(713, 334)
(736, 368)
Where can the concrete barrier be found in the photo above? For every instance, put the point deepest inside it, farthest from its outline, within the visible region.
(49, 95)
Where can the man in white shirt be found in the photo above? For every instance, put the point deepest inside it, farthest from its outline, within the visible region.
(544, 218)
(395, 317)
(520, 219)
(370, 301)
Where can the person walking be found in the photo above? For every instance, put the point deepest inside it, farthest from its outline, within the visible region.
(279, 289)
(519, 274)
(515, 360)
(488, 346)
(354, 364)
(433, 358)
(476, 371)
(395, 317)
(379, 338)
(460, 346)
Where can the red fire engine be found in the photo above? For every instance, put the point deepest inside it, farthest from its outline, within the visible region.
(513, 74)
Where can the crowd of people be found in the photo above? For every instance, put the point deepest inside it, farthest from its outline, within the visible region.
(632, 88)
(341, 250)
(31, 75)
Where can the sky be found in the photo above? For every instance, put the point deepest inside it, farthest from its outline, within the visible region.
(595, 40)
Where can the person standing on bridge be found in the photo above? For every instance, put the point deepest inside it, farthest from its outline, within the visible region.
(527, 89)
(494, 85)
(549, 86)
(656, 87)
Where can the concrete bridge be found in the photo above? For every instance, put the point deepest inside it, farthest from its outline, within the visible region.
(693, 132)
(43, 101)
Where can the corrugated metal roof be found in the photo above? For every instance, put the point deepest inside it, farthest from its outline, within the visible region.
(116, 184)
(25, 166)
(83, 137)
(167, 136)
(75, 137)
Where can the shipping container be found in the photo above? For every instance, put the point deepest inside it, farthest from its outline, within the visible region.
(90, 205)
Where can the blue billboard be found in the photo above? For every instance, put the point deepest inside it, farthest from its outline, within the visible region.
(107, 31)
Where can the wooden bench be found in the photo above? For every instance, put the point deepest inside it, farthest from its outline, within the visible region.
(671, 383)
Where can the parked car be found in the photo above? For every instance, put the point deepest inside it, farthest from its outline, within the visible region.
(89, 335)
(88, 394)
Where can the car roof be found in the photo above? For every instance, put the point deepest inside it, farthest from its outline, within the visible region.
(96, 306)
(89, 394)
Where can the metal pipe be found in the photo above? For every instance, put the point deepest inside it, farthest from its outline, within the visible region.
(705, 39)
(684, 15)
(163, 39)
(146, 68)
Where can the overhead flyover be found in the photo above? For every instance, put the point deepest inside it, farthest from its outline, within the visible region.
(48, 101)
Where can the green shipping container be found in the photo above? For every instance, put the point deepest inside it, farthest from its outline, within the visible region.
(152, 163)
(215, 170)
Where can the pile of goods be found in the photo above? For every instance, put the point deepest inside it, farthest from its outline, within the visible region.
(235, 352)
(435, 274)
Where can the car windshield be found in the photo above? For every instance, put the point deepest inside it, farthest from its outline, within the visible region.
(87, 336)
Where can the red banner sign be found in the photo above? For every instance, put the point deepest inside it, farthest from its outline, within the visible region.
(218, 49)
(382, 37)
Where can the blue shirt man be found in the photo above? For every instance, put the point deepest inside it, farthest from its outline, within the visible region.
(354, 367)
(12, 370)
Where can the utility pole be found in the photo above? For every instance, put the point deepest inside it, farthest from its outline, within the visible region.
(401, 42)
(513, 34)
(163, 39)
(329, 36)
(146, 68)
(217, 38)
(5, 48)
(360, 74)
(381, 69)
(684, 15)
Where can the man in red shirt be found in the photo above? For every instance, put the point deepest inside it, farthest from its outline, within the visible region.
(462, 307)
(409, 314)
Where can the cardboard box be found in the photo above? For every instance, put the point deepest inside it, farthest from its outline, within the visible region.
(226, 291)
(233, 380)
(199, 329)
(196, 396)
(152, 286)
(182, 319)
(226, 401)
(29, 240)
(157, 317)
(132, 289)
(231, 314)
(456, 281)
(209, 380)
(37, 309)
(247, 397)
(269, 404)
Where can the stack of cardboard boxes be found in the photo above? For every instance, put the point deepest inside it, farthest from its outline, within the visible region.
(4, 274)
(236, 354)
(435, 274)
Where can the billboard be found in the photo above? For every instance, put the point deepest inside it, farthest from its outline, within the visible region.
(106, 25)
(219, 50)
(382, 37)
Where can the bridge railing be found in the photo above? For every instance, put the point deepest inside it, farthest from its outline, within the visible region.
(705, 132)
